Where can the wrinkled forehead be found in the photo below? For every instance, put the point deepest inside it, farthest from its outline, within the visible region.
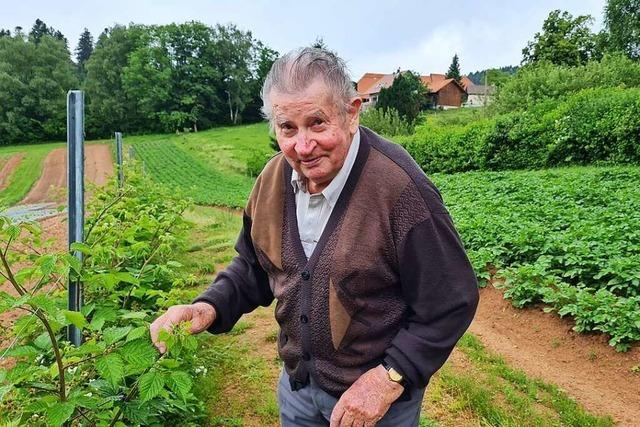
(316, 98)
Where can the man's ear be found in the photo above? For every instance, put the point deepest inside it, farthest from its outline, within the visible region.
(354, 114)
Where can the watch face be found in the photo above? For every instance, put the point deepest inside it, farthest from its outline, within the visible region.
(394, 375)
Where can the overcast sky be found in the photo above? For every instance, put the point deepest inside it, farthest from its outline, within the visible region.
(374, 36)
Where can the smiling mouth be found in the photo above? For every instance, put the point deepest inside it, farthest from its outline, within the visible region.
(310, 162)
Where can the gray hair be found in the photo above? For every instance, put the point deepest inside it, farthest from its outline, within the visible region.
(297, 69)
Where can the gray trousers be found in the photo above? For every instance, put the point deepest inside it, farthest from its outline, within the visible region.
(311, 406)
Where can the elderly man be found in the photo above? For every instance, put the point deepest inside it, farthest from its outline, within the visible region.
(344, 230)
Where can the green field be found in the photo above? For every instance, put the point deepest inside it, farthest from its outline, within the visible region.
(568, 237)
(27, 172)
(211, 166)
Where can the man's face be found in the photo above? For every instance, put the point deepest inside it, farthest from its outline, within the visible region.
(312, 133)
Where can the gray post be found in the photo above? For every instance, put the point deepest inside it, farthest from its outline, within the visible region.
(119, 158)
(75, 180)
(132, 152)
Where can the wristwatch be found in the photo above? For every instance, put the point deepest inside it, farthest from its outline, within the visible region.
(394, 375)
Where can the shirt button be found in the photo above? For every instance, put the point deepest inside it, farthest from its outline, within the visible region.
(306, 356)
(304, 319)
(305, 275)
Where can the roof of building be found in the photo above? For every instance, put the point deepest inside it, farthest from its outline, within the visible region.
(371, 83)
(481, 90)
(368, 80)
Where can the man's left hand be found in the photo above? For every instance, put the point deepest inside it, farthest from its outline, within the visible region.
(367, 400)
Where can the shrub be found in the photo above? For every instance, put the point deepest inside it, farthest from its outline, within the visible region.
(116, 376)
(386, 122)
(589, 126)
(533, 84)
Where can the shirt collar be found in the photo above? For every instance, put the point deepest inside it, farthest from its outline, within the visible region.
(333, 190)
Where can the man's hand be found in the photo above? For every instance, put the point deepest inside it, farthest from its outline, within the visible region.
(367, 400)
(201, 315)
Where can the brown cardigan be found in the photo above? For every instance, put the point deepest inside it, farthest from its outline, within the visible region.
(389, 277)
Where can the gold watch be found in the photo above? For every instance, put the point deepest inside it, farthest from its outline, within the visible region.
(394, 375)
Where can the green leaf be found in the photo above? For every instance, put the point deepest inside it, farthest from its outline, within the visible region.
(138, 332)
(81, 247)
(114, 334)
(111, 368)
(43, 341)
(76, 318)
(140, 353)
(134, 315)
(127, 278)
(150, 385)
(180, 383)
(59, 413)
(23, 351)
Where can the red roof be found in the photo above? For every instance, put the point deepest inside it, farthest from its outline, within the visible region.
(371, 83)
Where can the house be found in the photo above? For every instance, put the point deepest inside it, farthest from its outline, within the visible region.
(479, 95)
(442, 92)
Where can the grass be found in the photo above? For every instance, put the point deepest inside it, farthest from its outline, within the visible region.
(27, 172)
(211, 166)
(498, 394)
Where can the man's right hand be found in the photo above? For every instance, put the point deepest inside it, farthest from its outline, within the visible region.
(201, 315)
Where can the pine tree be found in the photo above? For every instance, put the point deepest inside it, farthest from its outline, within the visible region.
(454, 69)
(84, 49)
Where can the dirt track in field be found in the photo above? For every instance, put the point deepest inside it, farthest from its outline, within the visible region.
(545, 346)
(8, 168)
(97, 169)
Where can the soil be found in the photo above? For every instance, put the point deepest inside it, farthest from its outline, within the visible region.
(8, 167)
(98, 166)
(545, 346)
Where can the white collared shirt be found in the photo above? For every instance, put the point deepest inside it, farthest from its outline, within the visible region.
(313, 210)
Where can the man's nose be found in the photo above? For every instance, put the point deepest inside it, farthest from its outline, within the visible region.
(304, 145)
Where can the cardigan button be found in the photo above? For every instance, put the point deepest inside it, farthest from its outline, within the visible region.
(304, 319)
(306, 356)
(305, 275)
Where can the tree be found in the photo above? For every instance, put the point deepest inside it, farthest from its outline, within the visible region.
(496, 77)
(34, 80)
(454, 69)
(563, 41)
(109, 106)
(263, 59)
(407, 95)
(40, 30)
(5, 33)
(622, 22)
(84, 49)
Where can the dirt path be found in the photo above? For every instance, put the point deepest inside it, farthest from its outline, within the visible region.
(544, 345)
(98, 167)
(54, 227)
(8, 168)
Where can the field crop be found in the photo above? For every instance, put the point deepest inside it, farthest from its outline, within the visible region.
(210, 166)
(173, 166)
(567, 237)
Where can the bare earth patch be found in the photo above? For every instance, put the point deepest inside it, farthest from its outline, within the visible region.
(545, 346)
(8, 167)
(97, 168)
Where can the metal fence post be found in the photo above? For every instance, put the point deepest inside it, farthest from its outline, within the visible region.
(75, 180)
(119, 158)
